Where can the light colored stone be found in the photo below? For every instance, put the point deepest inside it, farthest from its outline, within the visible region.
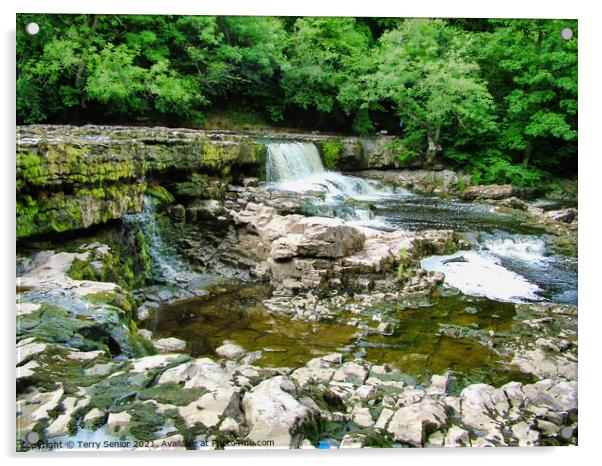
(84, 355)
(383, 419)
(435, 440)
(169, 345)
(99, 369)
(118, 421)
(152, 362)
(144, 333)
(209, 408)
(457, 437)
(229, 425)
(364, 392)
(438, 385)
(27, 370)
(27, 351)
(200, 373)
(409, 423)
(93, 416)
(351, 372)
(362, 417)
(60, 426)
(230, 351)
(352, 441)
(27, 308)
(526, 436)
(34, 407)
(272, 412)
(492, 191)
(484, 408)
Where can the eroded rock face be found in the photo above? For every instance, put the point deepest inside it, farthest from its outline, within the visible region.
(300, 253)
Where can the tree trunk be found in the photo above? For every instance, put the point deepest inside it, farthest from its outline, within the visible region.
(433, 146)
(527, 154)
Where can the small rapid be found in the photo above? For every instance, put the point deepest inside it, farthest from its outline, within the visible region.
(512, 268)
(509, 260)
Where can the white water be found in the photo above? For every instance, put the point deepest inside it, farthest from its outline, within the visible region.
(506, 267)
(482, 275)
(521, 248)
(297, 167)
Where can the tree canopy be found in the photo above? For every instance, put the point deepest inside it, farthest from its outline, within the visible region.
(496, 97)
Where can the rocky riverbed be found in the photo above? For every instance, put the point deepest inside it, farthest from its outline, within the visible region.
(394, 308)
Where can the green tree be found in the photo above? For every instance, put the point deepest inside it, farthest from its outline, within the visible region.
(533, 76)
(424, 70)
(322, 52)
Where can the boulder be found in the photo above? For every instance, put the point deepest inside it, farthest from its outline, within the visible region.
(117, 422)
(564, 215)
(169, 345)
(230, 351)
(273, 413)
(210, 407)
(328, 237)
(412, 423)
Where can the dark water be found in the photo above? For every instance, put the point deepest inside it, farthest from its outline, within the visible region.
(418, 212)
(418, 347)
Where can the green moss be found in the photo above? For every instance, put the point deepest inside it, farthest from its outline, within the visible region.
(171, 393)
(331, 151)
(75, 163)
(59, 211)
(565, 245)
(160, 193)
(405, 267)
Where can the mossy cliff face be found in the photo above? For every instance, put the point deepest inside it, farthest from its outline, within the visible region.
(71, 178)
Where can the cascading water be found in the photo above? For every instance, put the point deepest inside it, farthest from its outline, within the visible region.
(292, 161)
(297, 167)
(167, 266)
(504, 265)
(509, 267)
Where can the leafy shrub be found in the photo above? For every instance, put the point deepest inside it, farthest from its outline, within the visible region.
(331, 152)
(495, 170)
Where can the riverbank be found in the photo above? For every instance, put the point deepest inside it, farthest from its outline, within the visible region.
(256, 296)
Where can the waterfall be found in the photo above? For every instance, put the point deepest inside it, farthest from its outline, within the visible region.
(167, 266)
(292, 161)
(297, 167)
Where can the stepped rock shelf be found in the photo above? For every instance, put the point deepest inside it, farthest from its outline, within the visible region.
(198, 289)
(102, 168)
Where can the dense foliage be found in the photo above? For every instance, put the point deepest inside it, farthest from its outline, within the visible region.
(496, 97)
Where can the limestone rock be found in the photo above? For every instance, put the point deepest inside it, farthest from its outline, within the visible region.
(93, 416)
(491, 191)
(230, 351)
(34, 407)
(410, 423)
(210, 407)
(457, 437)
(169, 345)
(118, 421)
(272, 412)
(60, 426)
(351, 372)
